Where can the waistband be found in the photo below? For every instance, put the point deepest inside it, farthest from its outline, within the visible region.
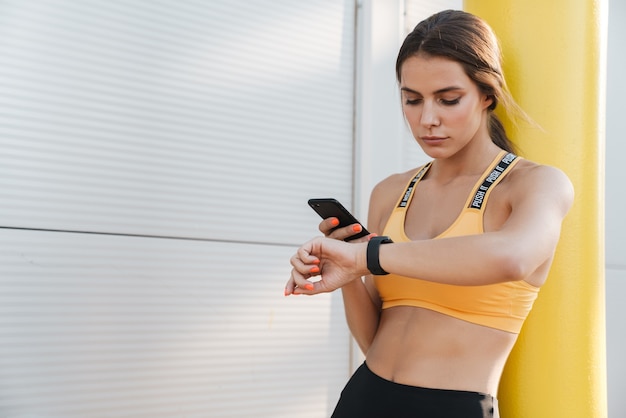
(424, 390)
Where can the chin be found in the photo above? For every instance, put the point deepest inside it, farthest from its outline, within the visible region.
(437, 152)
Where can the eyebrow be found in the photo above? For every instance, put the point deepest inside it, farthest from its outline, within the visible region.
(443, 90)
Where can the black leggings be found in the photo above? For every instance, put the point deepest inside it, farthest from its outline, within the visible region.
(367, 395)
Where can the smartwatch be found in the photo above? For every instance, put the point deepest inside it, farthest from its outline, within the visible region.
(373, 250)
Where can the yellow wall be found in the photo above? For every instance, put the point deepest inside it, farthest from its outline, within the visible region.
(555, 53)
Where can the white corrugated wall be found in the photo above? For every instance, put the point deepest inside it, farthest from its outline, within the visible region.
(155, 162)
(615, 206)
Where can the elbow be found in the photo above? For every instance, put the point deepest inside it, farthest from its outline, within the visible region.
(364, 342)
(364, 346)
(512, 267)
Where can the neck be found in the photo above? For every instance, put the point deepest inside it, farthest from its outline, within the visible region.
(471, 161)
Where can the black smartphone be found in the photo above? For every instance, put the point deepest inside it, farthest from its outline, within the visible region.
(328, 208)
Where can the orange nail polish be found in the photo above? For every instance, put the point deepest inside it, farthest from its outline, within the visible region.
(356, 228)
(309, 286)
(315, 269)
(334, 222)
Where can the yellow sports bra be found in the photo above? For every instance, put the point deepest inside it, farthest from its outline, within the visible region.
(502, 306)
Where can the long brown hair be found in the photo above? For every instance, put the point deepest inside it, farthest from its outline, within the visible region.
(470, 41)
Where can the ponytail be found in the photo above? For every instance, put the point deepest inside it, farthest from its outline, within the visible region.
(498, 134)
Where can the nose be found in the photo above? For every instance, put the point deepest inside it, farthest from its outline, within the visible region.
(429, 116)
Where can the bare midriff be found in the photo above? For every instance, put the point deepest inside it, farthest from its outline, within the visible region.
(419, 347)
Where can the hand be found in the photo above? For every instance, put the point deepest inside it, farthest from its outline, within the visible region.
(336, 263)
(327, 226)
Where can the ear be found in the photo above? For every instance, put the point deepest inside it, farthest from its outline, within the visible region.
(489, 102)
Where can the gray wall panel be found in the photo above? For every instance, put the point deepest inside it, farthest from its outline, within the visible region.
(95, 325)
(192, 119)
(615, 208)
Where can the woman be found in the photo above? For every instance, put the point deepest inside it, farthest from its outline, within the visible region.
(474, 233)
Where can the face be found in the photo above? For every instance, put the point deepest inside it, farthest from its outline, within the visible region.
(442, 105)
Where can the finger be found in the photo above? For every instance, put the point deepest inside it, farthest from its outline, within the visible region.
(304, 259)
(310, 288)
(345, 232)
(305, 269)
(305, 265)
(292, 287)
(300, 274)
(327, 225)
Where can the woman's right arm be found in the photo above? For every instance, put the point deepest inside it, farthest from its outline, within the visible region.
(361, 301)
(360, 298)
(362, 310)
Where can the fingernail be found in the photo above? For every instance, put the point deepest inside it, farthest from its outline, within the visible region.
(286, 292)
(334, 222)
(356, 228)
(309, 286)
(315, 269)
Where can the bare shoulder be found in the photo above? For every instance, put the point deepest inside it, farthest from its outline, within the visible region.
(393, 184)
(532, 179)
(384, 197)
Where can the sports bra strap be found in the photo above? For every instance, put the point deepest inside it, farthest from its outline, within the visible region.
(476, 202)
(407, 193)
(479, 196)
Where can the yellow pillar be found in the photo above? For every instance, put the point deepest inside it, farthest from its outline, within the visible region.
(554, 59)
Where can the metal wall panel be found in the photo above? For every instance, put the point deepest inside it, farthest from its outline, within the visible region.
(101, 326)
(155, 162)
(178, 118)
(615, 207)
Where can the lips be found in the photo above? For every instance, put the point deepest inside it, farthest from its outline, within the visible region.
(433, 139)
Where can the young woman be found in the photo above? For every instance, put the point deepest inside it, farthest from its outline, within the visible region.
(474, 232)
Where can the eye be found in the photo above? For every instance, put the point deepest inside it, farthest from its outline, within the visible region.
(450, 102)
(412, 102)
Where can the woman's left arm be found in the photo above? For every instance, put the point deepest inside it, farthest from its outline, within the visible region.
(540, 199)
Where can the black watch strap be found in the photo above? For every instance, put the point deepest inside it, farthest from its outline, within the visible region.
(373, 250)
